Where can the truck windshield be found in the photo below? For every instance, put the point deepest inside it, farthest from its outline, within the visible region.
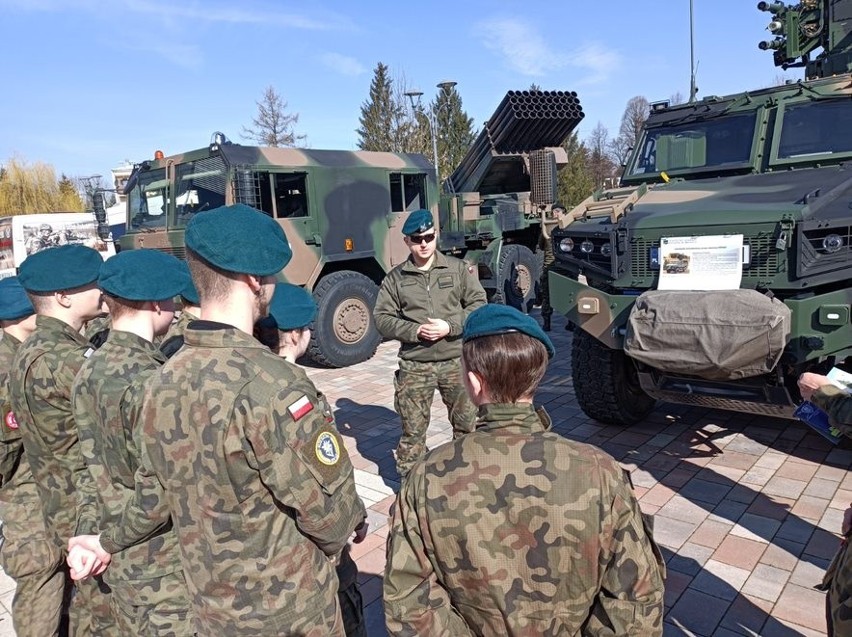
(148, 201)
(199, 185)
(816, 128)
(700, 145)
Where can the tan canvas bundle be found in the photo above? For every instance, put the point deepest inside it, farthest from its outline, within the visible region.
(720, 335)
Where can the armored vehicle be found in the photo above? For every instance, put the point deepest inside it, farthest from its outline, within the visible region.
(720, 270)
(343, 211)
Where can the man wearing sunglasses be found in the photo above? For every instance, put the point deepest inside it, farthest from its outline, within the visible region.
(423, 303)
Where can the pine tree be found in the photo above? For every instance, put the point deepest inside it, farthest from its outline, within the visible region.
(575, 181)
(380, 114)
(454, 130)
(273, 125)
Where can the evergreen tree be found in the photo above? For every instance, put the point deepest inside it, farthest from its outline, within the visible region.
(381, 114)
(273, 125)
(454, 129)
(575, 181)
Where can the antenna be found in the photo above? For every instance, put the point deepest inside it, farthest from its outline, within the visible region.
(693, 90)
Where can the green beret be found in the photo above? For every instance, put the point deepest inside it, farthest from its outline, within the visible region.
(189, 292)
(142, 275)
(61, 268)
(14, 302)
(493, 319)
(239, 239)
(292, 307)
(418, 222)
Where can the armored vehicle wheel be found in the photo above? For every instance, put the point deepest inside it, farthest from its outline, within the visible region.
(344, 331)
(606, 383)
(518, 274)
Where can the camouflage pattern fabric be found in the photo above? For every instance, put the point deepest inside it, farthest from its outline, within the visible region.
(173, 339)
(415, 384)
(514, 530)
(837, 404)
(349, 596)
(149, 591)
(27, 555)
(42, 374)
(409, 297)
(838, 582)
(260, 488)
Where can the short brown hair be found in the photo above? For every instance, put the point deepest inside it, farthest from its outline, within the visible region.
(212, 283)
(41, 301)
(119, 307)
(512, 365)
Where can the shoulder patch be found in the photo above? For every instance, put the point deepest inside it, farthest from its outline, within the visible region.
(10, 420)
(300, 408)
(327, 448)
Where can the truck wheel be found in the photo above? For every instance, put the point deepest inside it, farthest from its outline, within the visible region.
(344, 330)
(518, 274)
(606, 383)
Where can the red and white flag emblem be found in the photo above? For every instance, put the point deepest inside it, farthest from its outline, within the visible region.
(300, 408)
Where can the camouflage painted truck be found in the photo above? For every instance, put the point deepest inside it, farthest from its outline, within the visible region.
(720, 270)
(342, 211)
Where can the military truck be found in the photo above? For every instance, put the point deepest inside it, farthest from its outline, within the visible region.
(343, 211)
(755, 189)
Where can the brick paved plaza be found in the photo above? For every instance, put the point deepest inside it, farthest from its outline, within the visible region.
(747, 509)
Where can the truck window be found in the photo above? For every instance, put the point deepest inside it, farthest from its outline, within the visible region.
(147, 202)
(816, 128)
(408, 192)
(291, 197)
(199, 185)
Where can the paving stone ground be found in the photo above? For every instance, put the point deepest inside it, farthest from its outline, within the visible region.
(747, 509)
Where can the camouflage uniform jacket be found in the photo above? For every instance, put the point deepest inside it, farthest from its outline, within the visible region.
(837, 404)
(42, 375)
(514, 530)
(236, 445)
(25, 545)
(409, 297)
(106, 398)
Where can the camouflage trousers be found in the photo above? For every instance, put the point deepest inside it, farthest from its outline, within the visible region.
(155, 607)
(415, 384)
(349, 596)
(40, 594)
(838, 581)
(544, 283)
(91, 613)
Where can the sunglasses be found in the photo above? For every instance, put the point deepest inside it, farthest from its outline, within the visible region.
(421, 238)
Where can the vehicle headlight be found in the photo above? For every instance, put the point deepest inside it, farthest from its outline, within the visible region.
(832, 243)
(567, 244)
(587, 247)
(606, 249)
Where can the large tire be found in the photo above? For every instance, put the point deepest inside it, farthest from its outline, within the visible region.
(606, 383)
(518, 275)
(344, 330)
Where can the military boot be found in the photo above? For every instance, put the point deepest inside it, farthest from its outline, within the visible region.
(545, 322)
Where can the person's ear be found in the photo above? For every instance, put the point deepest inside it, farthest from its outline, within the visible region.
(475, 383)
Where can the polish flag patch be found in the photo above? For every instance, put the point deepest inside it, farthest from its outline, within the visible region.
(300, 408)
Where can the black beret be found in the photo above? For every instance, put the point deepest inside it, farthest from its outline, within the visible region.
(14, 302)
(493, 319)
(60, 268)
(142, 275)
(239, 239)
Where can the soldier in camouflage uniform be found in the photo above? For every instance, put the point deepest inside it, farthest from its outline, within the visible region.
(291, 313)
(190, 311)
(838, 577)
(235, 446)
(423, 304)
(548, 221)
(62, 285)
(27, 555)
(512, 529)
(149, 593)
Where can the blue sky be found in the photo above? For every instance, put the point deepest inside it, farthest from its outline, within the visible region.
(91, 83)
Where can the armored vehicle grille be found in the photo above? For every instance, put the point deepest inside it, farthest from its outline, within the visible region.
(763, 259)
(825, 250)
(776, 411)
